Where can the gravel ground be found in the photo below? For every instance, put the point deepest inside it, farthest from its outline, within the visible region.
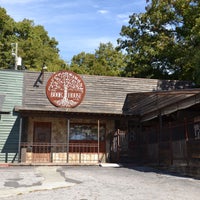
(123, 183)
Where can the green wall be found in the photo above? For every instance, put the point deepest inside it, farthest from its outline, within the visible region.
(11, 85)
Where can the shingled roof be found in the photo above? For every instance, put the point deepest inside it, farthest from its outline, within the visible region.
(104, 94)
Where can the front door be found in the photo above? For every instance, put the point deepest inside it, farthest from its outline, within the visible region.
(42, 142)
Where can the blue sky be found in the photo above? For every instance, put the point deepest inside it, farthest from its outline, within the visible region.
(78, 25)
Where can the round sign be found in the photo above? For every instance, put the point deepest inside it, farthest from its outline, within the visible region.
(65, 89)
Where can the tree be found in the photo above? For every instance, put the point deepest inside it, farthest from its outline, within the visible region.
(82, 63)
(106, 60)
(163, 42)
(7, 28)
(34, 45)
(111, 59)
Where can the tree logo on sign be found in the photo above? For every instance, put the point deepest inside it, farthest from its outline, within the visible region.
(65, 89)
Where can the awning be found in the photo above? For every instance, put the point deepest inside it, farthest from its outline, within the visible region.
(148, 105)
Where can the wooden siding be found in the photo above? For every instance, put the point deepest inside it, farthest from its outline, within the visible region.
(11, 83)
(104, 94)
(2, 98)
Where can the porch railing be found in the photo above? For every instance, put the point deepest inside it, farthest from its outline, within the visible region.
(61, 147)
(60, 152)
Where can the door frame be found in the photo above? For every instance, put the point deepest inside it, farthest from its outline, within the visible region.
(41, 153)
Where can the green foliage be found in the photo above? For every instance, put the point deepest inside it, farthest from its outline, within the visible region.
(105, 61)
(111, 59)
(82, 63)
(34, 45)
(7, 28)
(164, 41)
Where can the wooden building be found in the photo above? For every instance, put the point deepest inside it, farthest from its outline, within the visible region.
(33, 130)
(115, 120)
(168, 134)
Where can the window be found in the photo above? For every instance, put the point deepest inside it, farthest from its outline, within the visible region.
(86, 132)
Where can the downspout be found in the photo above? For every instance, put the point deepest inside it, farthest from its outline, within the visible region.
(19, 144)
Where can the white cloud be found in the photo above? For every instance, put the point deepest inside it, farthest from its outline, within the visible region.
(102, 11)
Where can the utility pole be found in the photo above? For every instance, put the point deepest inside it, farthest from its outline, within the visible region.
(15, 52)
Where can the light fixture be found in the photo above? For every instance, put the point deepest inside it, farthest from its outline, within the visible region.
(44, 68)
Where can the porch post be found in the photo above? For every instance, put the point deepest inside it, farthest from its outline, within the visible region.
(98, 140)
(68, 132)
(186, 156)
(171, 145)
(159, 136)
(20, 135)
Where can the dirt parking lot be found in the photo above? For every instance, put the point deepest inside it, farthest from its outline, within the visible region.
(94, 183)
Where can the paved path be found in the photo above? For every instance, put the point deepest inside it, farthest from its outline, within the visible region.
(22, 180)
(94, 183)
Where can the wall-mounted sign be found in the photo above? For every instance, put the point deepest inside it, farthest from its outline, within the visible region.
(65, 89)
